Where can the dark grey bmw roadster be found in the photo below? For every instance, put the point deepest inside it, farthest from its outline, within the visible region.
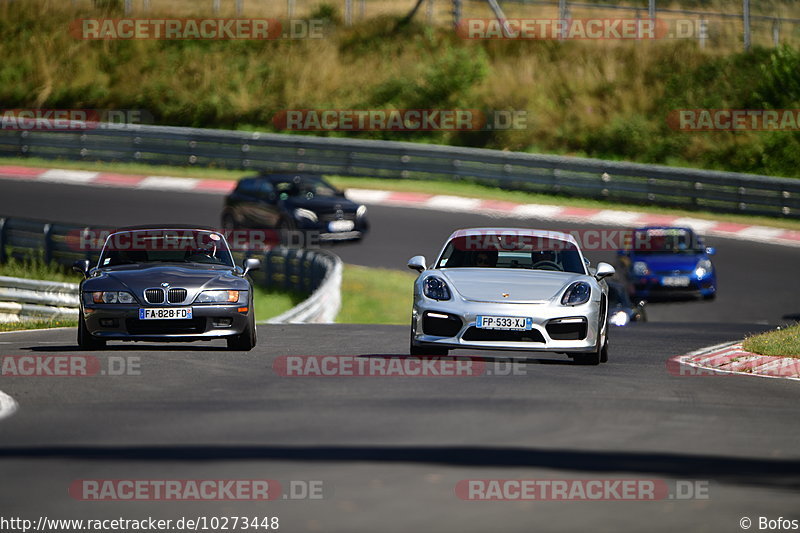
(166, 284)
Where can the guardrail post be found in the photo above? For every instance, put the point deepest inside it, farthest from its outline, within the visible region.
(215, 6)
(702, 33)
(456, 13)
(429, 12)
(289, 9)
(348, 12)
(48, 242)
(776, 32)
(651, 10)
(746, 23)
(3, 257)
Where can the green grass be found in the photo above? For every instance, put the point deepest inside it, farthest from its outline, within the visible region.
(38, 269)
(270, 303)
(603, 99)
(781, 342)
(37, 324)
(376, 296)
(429, 186)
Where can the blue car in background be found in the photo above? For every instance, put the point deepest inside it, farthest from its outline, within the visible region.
(664, 262)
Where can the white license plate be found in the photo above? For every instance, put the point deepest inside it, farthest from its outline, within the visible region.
(504, 322)
(165, 313)
(341, 225)
(675, 281)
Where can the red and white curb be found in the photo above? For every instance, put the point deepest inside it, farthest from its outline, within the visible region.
(8, 406)
(436, 202)
(730, 359)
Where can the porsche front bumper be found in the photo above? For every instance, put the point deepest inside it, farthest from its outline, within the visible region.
(553, 328)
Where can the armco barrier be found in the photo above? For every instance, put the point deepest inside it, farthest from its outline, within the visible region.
(317, 273)
(29, 299)
(580, 177)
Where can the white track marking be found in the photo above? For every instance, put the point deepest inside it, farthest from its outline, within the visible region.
(167, 183)
(77, 177)
(8, 406)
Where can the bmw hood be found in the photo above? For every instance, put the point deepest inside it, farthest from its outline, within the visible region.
(137, 278)
(521, 286)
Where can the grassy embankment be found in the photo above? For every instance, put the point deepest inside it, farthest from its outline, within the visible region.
(782, 342)
(607, 100)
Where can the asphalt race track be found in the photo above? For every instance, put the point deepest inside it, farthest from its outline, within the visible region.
(389, 451)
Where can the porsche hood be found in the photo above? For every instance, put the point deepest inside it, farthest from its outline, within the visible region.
(508, 285)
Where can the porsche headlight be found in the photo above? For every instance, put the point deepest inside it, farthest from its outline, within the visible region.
(218, 297)
(435, 289)
(361, 211)
(306, 213)
(703, 268)
(640, 268)
(112, 297)
(576, 294)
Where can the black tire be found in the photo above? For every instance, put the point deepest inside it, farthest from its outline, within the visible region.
(86, 341)
(600, 355)
(246, 340)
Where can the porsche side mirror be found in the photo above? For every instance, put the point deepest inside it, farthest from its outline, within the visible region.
(81, 266)
(604, 270)
(710, 250)
(417, 263)
(251, 263)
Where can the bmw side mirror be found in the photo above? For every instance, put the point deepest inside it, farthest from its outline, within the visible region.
(604, 270)
(710, 250)
(81, 266)
(251, 263)
(417, 263)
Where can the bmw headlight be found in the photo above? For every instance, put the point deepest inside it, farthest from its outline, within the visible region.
(218, 297)
(112, 297)
(640, 268)
(306, 213)
(435, 289)
(703, 268)
(361, 211)
(576, 294)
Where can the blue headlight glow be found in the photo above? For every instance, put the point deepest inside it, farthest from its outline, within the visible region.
(576, 294)
(435, 289)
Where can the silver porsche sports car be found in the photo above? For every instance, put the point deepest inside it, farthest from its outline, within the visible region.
(166, 284)
(511, 289)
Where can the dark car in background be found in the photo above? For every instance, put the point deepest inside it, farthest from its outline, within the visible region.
(294, 201)
(166, 284)
(621, 309)
(664, 262)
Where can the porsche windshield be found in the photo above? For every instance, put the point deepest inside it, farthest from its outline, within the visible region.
(165, 246)
(512, 251)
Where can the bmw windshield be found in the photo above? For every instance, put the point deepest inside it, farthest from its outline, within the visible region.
(165, 246)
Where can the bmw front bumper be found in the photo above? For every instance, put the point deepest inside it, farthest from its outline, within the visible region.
(553, 328)
(121, 322)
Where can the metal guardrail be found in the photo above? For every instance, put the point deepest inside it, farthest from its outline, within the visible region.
(28, 299)
(317, 273)
(580, 177)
